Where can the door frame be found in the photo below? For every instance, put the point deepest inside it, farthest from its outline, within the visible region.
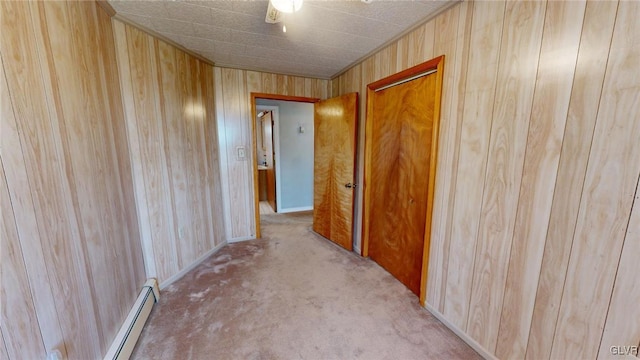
(254, 142)
(275, 138)
(437, 65)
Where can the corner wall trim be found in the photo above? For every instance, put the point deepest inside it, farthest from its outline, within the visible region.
(197, 262)
(461, 334)
(128, 335)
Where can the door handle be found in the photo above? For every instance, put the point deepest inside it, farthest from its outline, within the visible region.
(350, 185)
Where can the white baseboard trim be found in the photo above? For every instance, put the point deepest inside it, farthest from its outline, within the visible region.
(245, 238)
(296, 209)
(461, 334)
(126, 339)
(182, 272)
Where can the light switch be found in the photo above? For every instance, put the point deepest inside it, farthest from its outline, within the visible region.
(242, 153)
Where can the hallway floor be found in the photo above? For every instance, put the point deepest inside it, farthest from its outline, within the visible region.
(293, 295)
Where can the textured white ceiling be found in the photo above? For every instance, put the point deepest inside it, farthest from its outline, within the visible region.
(322, 39)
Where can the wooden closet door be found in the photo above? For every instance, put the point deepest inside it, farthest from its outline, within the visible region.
(400, 139)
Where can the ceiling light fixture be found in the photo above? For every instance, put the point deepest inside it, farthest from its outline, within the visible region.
(287, 6)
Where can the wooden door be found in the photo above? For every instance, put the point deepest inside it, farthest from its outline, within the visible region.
(335, 135)
(268, 145)
(399, 145)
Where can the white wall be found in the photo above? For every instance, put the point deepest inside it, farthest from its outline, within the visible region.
(295, 169)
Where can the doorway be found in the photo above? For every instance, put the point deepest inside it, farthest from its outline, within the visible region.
(401, 140)
(283, 146)
(266, 123)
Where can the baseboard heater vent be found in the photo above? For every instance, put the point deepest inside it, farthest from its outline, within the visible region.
(126, 339)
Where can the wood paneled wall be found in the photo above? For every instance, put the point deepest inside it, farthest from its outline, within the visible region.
(71, 261)
(169, 107)
(535, 232)
(233, 107)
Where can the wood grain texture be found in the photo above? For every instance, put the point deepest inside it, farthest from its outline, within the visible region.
(17, 313)
(124, 72)
(86, 126)
(583, 107)
(527, 260)
(453, 38)
(351, 82)
(622, 327)
(168, 98)
(334, 162)
(514, 96)
(67, 174)
(26, 223)
(482, 70)
(234, 122)
(609, 189)
(561, 37)
(148, 131)
(213, 156)
(399, 140)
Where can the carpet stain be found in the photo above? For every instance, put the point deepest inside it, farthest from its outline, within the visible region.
(293, 295)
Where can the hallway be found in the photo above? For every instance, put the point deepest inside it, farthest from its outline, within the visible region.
(293, 295)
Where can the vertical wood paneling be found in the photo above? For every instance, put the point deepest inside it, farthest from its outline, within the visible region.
(476, 126)
(620, 328)
(233, 108)
(213, 155)
(65, 176)
(112, 105)
(612, 173)
(269, 83)
(112, 100)
(126, 84)
(171, 129)
(231, 80)
(192, 110)
(204, 166)
(515, 140)
(85, 125)
(141, 48)
(224, 146)
(429, 44)
(42, 156)
(172, 85)
(26, 223)
(452, 39)
(335, 86)
(514, 96)
(22, 338)
(561, 37)
(583, 107)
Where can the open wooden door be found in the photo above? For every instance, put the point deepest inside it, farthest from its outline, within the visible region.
(335, 134)
(267, 131)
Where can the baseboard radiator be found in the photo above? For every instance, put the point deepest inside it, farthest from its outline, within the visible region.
(126, 339)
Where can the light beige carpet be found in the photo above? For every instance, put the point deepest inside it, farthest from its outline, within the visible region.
(293, 295)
